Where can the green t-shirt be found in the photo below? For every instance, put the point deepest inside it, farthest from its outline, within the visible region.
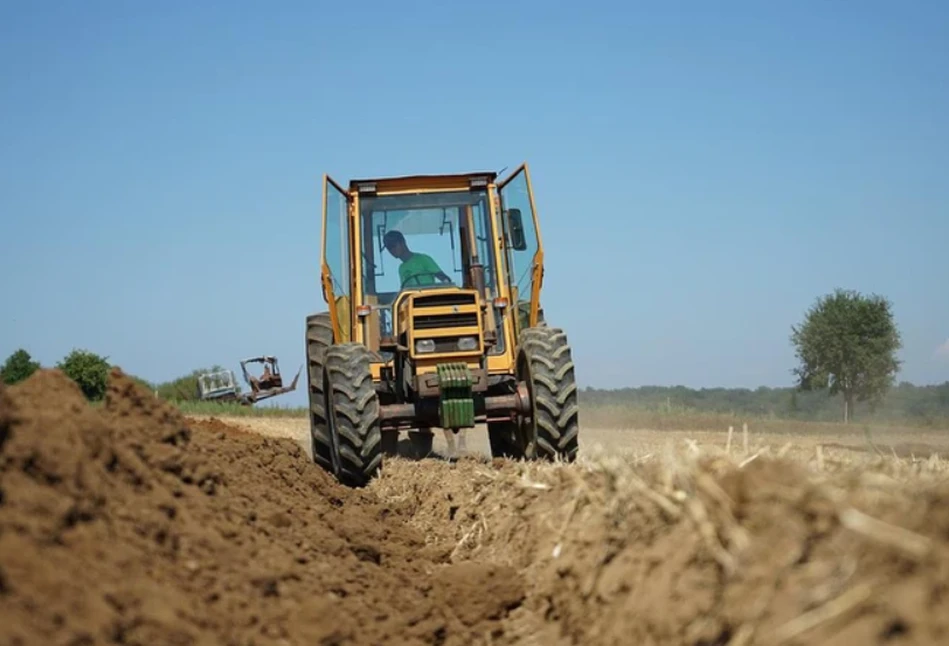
(418, 271)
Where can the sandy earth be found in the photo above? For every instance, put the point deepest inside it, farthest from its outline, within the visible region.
(132, 524)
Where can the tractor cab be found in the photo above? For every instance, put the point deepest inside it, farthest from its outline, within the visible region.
(422, 242)
(269, 379)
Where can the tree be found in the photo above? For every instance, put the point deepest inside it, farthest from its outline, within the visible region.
(847, 345)
(89, 370)
(17, 367)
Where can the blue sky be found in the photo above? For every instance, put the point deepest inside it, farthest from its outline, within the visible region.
(704, 171)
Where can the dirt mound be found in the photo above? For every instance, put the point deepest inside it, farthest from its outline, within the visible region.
(129, 524)
(703, 551)
(125, 524)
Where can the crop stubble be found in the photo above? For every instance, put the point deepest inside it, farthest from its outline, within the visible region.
(131, 524)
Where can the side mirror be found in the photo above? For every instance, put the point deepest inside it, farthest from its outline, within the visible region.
(515, 225)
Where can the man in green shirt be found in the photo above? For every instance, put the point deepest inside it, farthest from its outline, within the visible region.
(417, 269)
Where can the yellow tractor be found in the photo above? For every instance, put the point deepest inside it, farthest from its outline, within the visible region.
(434, 321)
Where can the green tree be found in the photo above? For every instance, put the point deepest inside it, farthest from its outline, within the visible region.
(847, 345)
(89, 370)
(17, 367)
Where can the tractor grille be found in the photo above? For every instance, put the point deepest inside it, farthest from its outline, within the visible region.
(445, 318)
(443, 300)
(431, 322)
(425, 318)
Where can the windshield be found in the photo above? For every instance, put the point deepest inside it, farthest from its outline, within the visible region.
(419, 241)
(423, 240)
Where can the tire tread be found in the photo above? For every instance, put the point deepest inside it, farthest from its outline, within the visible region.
(556, 403)
(357, 413)
(319, 338)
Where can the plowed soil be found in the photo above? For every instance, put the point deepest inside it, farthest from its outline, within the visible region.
(130, 524)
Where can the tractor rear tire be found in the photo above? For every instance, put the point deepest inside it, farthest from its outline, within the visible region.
(353, 413)
(545, 357)
(319, 337)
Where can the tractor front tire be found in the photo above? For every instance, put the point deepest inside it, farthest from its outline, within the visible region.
(319, 337)
(353, 413)
(546, 360)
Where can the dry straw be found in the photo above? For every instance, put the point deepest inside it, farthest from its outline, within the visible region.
(532, 514)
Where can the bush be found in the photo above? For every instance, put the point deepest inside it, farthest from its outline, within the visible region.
(89, 370)
(17, 367)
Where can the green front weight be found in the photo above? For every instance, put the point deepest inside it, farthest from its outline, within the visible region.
(456, 408)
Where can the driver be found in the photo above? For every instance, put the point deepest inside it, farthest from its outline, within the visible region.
(417, 267)
(255, 383)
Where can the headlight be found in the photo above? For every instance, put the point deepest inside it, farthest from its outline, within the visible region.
(425, 345)
(467, 343)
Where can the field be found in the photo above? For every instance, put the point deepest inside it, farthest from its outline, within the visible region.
(134, 523)
(836, 442)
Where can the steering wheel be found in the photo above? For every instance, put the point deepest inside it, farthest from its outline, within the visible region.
(424, 273)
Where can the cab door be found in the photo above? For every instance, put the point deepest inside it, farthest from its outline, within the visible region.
(524, 251)
(336, 260)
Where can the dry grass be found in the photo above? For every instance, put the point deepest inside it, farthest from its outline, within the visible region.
(841, 445)
(288, 427)
(743, 537)
(595, 520)
(630, 417)
(679, 477)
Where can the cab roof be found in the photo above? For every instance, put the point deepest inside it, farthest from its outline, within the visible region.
(402, 182)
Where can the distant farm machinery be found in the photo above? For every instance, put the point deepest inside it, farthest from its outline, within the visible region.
(221, 386)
